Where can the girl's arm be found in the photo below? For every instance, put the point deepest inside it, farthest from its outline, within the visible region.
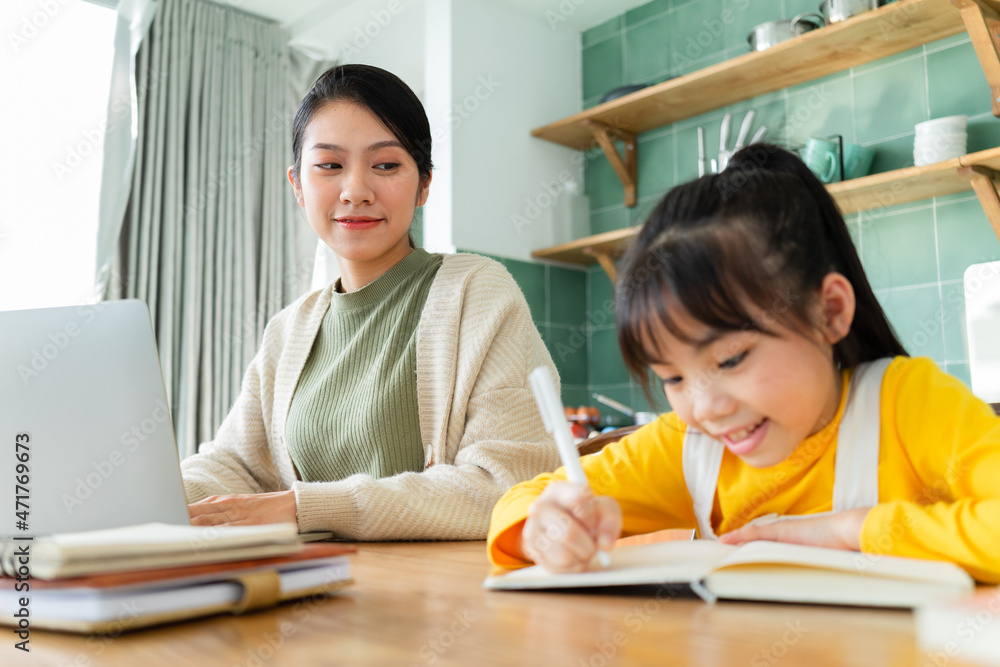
(950, 508)
(642, 472)
(938, 472)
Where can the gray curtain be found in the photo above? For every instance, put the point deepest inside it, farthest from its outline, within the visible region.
(211, 237)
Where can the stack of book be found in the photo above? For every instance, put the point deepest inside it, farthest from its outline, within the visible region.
(138, 576)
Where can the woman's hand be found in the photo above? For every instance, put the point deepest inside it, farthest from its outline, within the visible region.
(567, 525)
(247, 509)
(834, 531)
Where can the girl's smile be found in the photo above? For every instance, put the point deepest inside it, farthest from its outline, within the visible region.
(743, 441)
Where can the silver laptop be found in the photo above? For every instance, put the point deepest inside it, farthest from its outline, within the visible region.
(87, 439)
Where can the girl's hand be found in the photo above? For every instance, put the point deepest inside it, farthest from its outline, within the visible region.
(567, 525)
(835, 531)
(246, 509)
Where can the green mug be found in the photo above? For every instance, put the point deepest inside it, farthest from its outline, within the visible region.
(822, 156)
(857, 161)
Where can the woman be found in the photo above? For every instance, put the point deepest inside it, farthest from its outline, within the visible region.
(394, 403)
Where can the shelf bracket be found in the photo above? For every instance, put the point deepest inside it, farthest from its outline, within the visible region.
(606, 261)
(984, 182)
(983, 25)
(624, 168)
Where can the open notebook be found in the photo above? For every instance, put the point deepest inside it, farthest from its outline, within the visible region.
(769, 571)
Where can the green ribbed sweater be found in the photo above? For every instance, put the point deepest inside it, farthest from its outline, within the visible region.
(355, 407)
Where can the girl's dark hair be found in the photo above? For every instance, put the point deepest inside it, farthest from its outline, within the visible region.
(762, 233)
(381, 92)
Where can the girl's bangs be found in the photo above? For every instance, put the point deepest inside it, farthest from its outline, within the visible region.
(727, 282)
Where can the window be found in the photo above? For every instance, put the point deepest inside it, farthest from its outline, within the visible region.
(55, 71)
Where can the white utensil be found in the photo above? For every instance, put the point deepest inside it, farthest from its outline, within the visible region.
(724, 133)
(744, 129)
(612, 403)
(701, 151)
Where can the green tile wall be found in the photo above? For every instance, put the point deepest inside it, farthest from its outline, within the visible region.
(915, 254)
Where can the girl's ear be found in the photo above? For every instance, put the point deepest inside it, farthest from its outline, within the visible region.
(836, 304)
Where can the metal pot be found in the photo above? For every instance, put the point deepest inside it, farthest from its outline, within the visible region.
(766, 35)
(840, 10)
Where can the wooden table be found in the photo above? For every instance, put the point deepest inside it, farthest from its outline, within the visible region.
(423, 604)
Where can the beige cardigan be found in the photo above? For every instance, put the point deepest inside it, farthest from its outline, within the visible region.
(480, 428)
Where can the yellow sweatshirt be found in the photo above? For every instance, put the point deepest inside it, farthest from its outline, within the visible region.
(939, 478)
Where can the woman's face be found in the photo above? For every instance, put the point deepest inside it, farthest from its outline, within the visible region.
(358, 185)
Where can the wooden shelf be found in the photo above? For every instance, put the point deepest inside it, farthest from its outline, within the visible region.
(870, 36)
(910, 184)
(972, 171)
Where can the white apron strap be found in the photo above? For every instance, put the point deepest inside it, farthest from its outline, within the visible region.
(701, 458)
(855, 481)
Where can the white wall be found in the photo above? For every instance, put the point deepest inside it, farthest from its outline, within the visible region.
(384, 33)
(510, 73)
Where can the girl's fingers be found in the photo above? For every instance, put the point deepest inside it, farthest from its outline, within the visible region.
(739, 536)
(579, 501)
(565, 525)
(609, 522)
(569, 554)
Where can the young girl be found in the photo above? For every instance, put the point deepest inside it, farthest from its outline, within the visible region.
(394, 403)
(791, 394)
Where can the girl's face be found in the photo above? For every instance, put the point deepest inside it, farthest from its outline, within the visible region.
(759, 395)
(358, 185)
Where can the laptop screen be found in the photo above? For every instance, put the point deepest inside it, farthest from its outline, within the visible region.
(89, 441)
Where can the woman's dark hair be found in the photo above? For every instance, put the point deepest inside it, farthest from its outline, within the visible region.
(381, 92)
(762, 233)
